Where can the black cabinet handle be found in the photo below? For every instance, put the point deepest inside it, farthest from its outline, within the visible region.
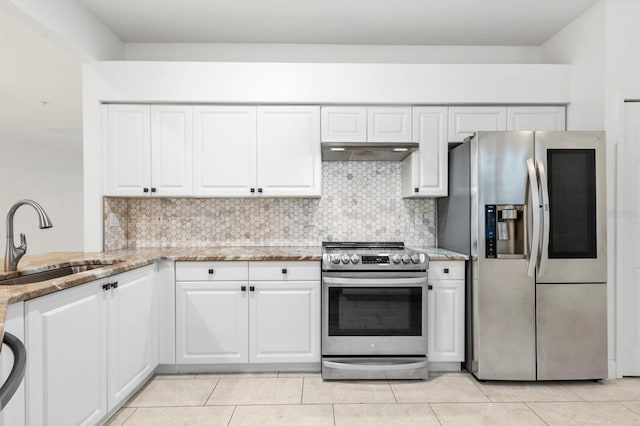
(114, 284)
(284, 270)
(429, 287)
(416, 189)
(145, 189)
(252, 190)
(243, 288)
(153, 189)
(252, 288)
(106, 286)
(446, 270)
(260, 190)
(211, 271)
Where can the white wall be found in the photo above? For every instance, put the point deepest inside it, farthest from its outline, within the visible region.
(40, 144)
(50, 174)
(252, 52)
(582, 44)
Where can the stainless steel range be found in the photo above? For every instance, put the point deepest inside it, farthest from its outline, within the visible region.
(374, 311)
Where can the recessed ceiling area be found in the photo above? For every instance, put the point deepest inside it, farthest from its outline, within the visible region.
(397, 22)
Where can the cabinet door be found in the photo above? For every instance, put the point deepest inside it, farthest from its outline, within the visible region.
(389, 124)
(284, 322)
(536, 118)
(465, 121)
(132, 331)
(211, 322)
(446, 321)
(424, 173)
(343, 124)
(224, 157)
(171, 150)
(289, 160)
(66, 363)
(128, 150)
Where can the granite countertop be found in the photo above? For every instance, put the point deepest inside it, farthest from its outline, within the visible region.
(119, 261)
(436, 253)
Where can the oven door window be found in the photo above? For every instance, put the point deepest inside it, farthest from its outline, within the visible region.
(375, 311)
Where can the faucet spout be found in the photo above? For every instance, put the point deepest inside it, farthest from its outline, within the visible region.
(14, 254)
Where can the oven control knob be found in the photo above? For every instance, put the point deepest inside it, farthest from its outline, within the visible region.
(335, 258)
(406, 258)
(415, 258)
(396, 258)
(355, 258)
(345, 258)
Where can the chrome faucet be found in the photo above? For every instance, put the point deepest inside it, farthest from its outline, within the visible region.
(13, 253)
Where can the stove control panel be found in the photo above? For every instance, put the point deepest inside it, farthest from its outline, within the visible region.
(367, 260)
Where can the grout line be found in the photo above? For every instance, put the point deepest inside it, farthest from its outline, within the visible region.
(574, 393)
(232, 414)
(211, 394)
(534, 412)
(333, 412)
(302, 393)
(129, 416)
(392, 392)
(435, 414)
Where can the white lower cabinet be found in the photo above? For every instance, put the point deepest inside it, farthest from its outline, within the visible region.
(284, 323)
(445, 307)
(77, 367)
(212, 322)
(237, 318)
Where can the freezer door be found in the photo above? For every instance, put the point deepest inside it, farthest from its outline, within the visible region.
(571, 331)
(571, 169)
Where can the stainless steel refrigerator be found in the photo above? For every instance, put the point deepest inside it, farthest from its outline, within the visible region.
(529, 208)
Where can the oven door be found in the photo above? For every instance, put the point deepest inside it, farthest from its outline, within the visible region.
(374, 316)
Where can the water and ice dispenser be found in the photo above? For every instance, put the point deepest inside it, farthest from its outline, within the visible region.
(505, 227)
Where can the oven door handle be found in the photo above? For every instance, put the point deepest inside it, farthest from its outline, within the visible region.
(374, 367)
(371, 282)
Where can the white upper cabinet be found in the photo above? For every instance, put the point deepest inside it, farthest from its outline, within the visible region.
(224, 161)
(389, 124)
(128, 150)
(465, 121)
(536, 118)
(289, 162)
(424, 173)
(171, 150)
(343, 124)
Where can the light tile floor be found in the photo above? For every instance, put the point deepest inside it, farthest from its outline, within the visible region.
(447, 399)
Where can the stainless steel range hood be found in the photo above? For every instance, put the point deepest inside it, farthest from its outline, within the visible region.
(367, 151)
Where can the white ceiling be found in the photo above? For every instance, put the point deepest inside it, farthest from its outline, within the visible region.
(409, 22)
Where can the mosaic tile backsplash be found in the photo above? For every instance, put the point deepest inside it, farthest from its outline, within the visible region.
(361, 201)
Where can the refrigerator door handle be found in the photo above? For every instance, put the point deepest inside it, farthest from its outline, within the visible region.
(535, 209)
(545, 215)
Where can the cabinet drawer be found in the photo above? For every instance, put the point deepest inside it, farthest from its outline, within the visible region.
(212, 271)
(449, 270)
(284, 271)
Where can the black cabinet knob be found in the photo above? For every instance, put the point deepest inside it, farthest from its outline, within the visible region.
(429, 287)
(252, 190)
(211, 271)
(416, 189)
(284, 270)
(243, 288)
(446, 270)
(145, 189)
(260, 190)
(252, 288)
(153, 189)
(114, 284)
(106, 286)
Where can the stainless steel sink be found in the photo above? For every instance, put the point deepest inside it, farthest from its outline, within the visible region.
(50, 274)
